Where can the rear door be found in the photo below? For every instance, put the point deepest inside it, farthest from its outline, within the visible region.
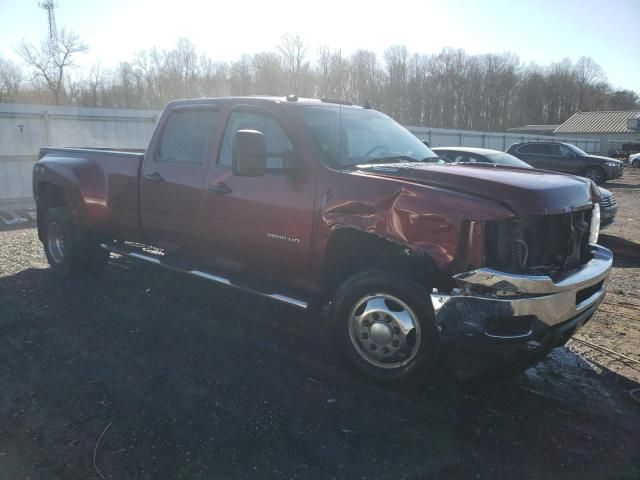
(173, 177)
(536, 154)
(262, 225)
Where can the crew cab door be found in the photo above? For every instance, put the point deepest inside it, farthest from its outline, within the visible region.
(262, 225)
(173, 177)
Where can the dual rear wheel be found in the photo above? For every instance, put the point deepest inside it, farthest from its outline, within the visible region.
(71, 251)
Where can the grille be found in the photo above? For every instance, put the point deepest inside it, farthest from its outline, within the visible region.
(539, 244)
(609, 201)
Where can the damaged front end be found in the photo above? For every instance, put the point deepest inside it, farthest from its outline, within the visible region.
(549, 244)
(543, 275)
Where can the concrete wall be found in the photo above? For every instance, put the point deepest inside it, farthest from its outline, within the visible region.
(26, 128)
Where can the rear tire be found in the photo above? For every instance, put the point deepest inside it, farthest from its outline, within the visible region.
(636, 163)
(383, 323)
(72, 251)
(596, 174)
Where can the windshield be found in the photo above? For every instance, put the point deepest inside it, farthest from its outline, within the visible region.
(576, 150)
(351, 136)
(508, 160)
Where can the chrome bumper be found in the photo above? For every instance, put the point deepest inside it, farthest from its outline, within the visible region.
(545, 301)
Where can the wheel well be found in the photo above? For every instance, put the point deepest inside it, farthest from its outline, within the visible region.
(350, 251)
(49, 196)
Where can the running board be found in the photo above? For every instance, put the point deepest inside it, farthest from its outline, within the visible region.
(123, 250)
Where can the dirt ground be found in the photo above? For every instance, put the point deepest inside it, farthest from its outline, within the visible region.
(142, 374)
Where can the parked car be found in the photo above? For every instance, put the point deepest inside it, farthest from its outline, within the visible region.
(634, 160)
(567, 158)
(314, 203)
(479, 155)
(608, 204)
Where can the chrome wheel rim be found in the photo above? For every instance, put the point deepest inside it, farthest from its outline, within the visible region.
(384, 330)
(594, 174)
(55, 242)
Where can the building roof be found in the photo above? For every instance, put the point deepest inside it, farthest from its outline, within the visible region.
(599, 122)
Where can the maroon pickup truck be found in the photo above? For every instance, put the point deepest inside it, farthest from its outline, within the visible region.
(319, 203)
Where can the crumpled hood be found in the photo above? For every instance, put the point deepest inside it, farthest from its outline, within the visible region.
(524, 191)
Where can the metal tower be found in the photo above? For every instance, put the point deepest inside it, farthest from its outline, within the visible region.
(50, 6)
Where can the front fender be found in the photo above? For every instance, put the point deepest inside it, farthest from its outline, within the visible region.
(422, 219)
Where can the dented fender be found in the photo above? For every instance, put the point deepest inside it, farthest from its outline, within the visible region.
(423, 219)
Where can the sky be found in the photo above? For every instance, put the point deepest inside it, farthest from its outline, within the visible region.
(542, 31)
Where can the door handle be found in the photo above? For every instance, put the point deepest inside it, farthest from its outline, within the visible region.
(221, 189)
(154, 177)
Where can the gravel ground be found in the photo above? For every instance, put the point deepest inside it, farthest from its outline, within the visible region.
(143, 374)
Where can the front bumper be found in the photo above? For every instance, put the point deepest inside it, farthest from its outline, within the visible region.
(614, 172)
(521, 308)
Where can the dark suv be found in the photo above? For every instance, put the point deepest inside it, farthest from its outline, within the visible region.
(567, 158)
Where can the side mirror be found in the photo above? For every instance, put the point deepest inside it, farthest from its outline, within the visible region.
(249, 154)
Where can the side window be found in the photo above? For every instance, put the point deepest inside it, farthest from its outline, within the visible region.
(279, 147)
(524, 148)
(561, 150)
(535, 149)
(185, 136)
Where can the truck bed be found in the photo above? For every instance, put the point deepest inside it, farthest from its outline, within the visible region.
(106, 182)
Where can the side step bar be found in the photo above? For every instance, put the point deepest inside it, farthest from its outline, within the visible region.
(157, 260)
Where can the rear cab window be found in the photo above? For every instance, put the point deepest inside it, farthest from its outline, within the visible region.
(186, 135)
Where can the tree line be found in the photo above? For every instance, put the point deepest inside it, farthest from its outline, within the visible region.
(449, 89)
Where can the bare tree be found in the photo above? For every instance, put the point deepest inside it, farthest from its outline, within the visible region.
(10, 81)
(450, 89)
(329, 73)
(587, 73)
(623, 100)
(92, 92)
(240, 78)
(293, 52)
(52, 60)
(267, 68)
(365, 78)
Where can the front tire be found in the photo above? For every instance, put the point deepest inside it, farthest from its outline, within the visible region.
(383, 323)
(71, 250)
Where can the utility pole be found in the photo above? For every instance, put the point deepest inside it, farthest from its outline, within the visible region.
(50, 6)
